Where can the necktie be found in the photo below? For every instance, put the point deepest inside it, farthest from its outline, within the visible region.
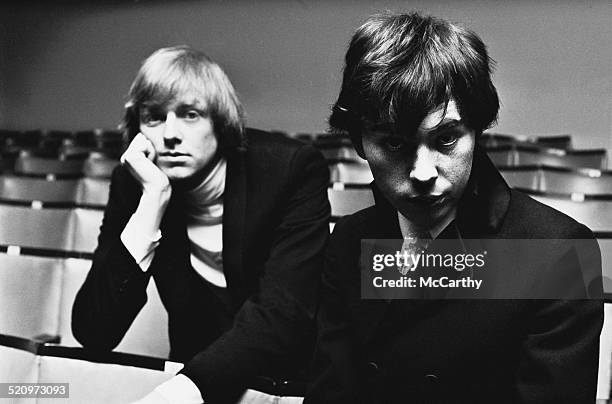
(413, 247)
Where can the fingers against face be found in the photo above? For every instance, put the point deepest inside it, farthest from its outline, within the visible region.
(139, 158)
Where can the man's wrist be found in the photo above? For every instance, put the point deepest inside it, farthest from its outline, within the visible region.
(157, 194)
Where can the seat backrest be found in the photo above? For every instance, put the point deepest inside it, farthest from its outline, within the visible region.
(40, 166)
(349, 200)
(592, 182)
(350, 173)
(148, 334)
(595, 214)
(47, 228)
(99, 167)
(522, 177)
(93, 191)
(28, 189)
(605, 246)
(502, 156)
(341, 153)
(30, 291)
(86, 227)
(562, 158)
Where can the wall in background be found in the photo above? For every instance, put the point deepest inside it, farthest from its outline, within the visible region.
(69, 65)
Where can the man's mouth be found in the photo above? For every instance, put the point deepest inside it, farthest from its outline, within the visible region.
(173, 154)
(427, 200)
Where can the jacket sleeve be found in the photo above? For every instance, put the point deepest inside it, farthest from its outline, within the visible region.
(559, 356)
(115, 288)
(273, 325)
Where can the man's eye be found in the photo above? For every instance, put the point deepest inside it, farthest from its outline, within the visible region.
(191, 115)
(447, 139)
(151, 118)
(394, 143)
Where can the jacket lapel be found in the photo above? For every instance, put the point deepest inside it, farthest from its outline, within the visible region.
(234, 207)
(384, 225)
(486, 200)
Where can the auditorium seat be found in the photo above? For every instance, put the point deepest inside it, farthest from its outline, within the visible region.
(502, 155)
(489, 139)
(74, 273)
(148, 335)
(84, 138)
(52, 140)
(349, 199)
(8, 156)
(585, 181)
(30, 292)
(63, 229)
(323, 140)
(340, 153)
(557, 142)
(350, 172)
(73, 152)
(93, 192)
(588, 158)
(99, 165)
(86, 227)
(28, 139)
(594, 213)
(47, 228)
(605, 246)
(307, 138)
(559, 179)
(522, 177)
(28, 189)
(40, 166)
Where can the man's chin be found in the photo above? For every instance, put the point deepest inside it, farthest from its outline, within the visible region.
(178, 174)
(425, 217)
(185, 179)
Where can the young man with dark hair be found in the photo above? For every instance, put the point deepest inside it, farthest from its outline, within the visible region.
(229, 223)
(416, 95)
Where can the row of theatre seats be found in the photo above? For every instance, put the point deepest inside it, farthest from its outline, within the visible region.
(60, 154)
(48, 230)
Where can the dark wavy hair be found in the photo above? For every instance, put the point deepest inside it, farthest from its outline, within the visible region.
(400, 67)
(170, 72)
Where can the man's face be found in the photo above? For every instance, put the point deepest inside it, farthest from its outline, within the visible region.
(182, 135)
(423, 174)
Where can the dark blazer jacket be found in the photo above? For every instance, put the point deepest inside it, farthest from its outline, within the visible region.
(275, 228)
(458, 351)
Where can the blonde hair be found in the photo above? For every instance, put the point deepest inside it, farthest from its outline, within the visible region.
(179, 70)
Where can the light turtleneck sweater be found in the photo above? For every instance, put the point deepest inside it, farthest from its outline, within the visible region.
(204, 218)
(204, 225)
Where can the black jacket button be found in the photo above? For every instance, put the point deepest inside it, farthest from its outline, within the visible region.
(430, 379)
(373, 367)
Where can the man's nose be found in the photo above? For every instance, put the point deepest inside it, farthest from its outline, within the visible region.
(424, 166)
(172, 132)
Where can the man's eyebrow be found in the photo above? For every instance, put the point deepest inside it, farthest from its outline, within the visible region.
(191, 105)
(446, 124)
